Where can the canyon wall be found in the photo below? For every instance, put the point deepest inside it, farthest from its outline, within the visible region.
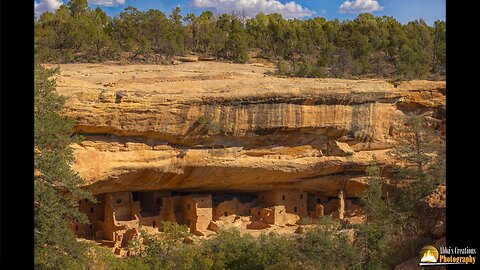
(210, 126)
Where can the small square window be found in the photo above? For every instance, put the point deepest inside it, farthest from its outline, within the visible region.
(301, 196)
(118, 201)
(283, 197)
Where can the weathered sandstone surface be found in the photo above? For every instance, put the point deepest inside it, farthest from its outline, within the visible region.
(206, 126)
(432, 214)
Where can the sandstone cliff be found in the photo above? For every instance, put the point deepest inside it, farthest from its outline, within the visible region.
(218, 126)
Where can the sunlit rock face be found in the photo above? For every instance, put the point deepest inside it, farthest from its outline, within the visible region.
(207, 126)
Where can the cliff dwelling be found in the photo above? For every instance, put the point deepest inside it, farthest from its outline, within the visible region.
(118, 217)
(217, 145)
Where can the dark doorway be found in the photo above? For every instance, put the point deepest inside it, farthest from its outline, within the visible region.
(150, 203)
(135, 196)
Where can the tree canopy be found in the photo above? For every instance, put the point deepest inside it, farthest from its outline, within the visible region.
(365, 46)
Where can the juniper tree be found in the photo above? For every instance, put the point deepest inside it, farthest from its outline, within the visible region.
(373, 233)
(56, 187)
(420, 155)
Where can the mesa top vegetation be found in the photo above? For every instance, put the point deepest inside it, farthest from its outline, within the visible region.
(365, 46)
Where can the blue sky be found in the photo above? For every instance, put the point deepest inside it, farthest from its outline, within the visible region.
(403, 10)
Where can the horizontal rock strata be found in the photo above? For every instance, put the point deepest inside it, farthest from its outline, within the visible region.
(206, 126)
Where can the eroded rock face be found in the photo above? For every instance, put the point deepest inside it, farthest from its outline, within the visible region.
(432, 214)
(204, 126)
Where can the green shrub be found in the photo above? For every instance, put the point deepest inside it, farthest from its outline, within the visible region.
(337, 251)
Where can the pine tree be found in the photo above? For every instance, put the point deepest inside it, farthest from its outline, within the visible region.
(439, 49)
(237, 43)
(57, 187)
(372, 233)
(420, 155)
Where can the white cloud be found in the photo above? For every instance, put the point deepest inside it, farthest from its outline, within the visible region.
(47, 5)
(359, 6)
(107, 3)
(52, 5)
(288, 10)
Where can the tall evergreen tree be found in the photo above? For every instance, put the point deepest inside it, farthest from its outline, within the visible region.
(439, 49)
(372, 233)
(236, 47)
(420, 155)
(57, 187)
(78, 7)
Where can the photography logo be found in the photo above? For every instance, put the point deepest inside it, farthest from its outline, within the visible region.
(430, 255)
(447, 255)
